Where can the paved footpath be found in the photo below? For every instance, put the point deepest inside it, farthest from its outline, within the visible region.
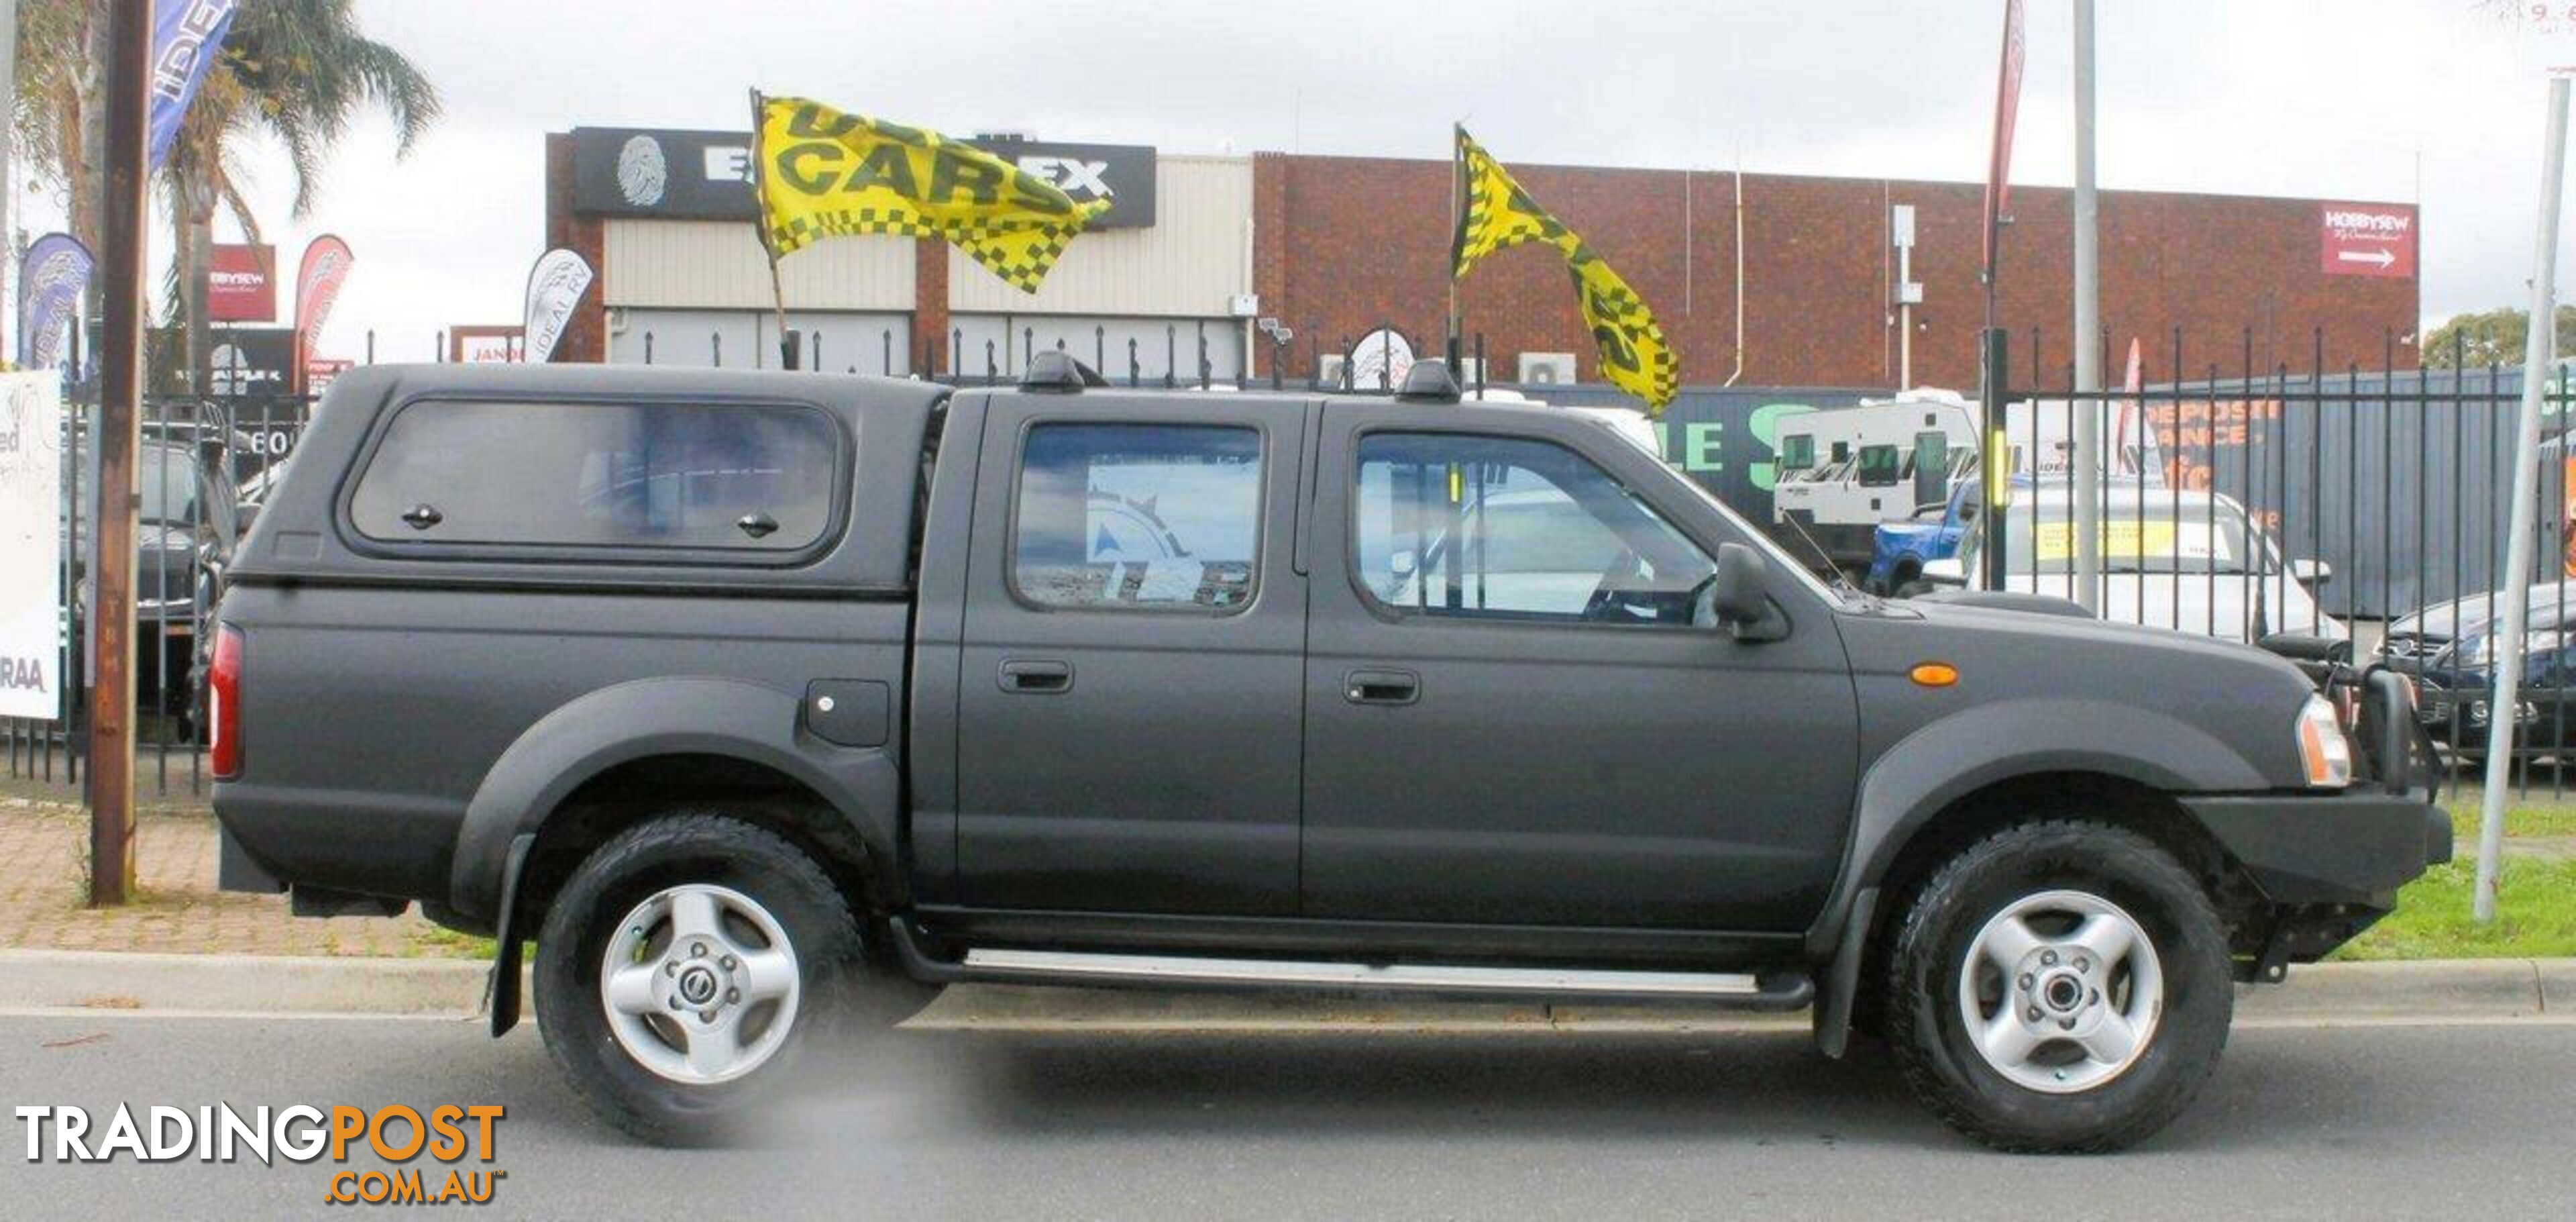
(2380, 1122)
(44, 885)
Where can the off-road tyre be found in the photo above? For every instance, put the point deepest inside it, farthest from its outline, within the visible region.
(1928, 949)
(687, 848)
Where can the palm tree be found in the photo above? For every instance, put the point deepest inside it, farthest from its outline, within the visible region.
(59, 113)
(296, 70)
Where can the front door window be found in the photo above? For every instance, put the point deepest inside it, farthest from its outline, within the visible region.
(1456, 525)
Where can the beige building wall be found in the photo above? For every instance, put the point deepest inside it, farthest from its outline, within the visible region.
(718, 265)
(1188, 264)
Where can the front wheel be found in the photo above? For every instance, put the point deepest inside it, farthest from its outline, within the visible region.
(682, 968)
(2060, 986)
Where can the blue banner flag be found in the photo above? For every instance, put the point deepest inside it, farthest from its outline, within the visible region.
(50, 280)
(186, 35)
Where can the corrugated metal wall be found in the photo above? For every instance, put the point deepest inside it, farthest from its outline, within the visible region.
(718, 265)
(1185, 265)
(836, 342)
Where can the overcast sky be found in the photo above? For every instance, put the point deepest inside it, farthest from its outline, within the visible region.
(2403, 100)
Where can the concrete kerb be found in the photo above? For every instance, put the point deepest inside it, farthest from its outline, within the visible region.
(2463, 990)
(107, 981)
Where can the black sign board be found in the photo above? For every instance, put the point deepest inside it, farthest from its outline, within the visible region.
(703, 175)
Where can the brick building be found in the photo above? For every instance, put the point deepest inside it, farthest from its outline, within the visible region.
(1335, 246)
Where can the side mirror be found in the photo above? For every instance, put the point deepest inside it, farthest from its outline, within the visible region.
(1946, 571)
(2311, 572)
(1737, 598)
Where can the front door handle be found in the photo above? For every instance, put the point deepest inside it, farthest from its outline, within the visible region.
(1381, 687)
(1040, 676)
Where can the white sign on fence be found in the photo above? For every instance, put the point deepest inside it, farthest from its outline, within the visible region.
(2548, 39)
(31, 575)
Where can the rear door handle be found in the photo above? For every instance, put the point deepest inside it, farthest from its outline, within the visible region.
(1037, 676)
(1381, 687)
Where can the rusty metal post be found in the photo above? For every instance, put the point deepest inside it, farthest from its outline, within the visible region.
(112, 500)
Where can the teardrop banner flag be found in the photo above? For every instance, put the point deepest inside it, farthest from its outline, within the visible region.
(50, 280)
(555, 287)
(326, 265)
(186, 37)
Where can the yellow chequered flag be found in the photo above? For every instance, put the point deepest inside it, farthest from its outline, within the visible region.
(826, 173)
(1494, 213)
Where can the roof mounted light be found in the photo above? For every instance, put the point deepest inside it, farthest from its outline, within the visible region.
(1057, 373)
(1429, 381)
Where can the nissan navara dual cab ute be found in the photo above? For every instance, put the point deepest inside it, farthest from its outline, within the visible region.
(743, 693)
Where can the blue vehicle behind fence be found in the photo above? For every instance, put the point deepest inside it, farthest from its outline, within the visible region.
(1900, 549)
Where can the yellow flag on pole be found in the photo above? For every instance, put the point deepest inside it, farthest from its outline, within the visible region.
(826, 173)
(1495, 214)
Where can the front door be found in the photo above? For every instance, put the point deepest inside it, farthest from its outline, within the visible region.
(1128, 705)
(1510, 717)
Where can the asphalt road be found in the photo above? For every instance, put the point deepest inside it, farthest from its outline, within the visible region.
(2379, 1122)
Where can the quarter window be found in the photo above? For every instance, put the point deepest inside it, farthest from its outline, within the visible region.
(1139, 516)
(735, 477)
(1459, 525)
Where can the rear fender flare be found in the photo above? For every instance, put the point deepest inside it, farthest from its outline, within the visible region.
(671, 716)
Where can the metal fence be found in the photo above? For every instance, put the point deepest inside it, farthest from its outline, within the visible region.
(2397, 478)
(200, 458)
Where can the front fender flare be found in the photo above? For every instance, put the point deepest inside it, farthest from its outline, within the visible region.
(1948, 759)
(1966, 751)
(668, 716)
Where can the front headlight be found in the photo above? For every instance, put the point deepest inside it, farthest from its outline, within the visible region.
(2324, 753)
(2479, 653)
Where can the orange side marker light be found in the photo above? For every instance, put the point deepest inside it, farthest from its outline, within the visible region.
(1933, 674)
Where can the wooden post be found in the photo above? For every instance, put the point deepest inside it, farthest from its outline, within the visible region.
(112, 503)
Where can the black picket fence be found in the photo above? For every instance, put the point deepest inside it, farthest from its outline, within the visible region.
(1189, 354)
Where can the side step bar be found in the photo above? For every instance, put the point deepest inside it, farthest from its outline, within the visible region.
(1003, 965)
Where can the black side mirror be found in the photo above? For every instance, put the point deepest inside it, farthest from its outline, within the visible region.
(1736, 597)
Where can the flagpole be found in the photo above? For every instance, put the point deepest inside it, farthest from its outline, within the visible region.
(787, 346)
(1458, 220)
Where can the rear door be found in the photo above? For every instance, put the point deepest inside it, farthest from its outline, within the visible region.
(1128, 732)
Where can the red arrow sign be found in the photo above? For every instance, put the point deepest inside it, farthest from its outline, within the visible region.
(2366, 240)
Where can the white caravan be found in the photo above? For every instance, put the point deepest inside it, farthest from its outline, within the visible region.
(1844, 470)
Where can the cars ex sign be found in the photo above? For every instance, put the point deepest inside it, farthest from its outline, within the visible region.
(31, 573)
(702, 175)
(2366, 240)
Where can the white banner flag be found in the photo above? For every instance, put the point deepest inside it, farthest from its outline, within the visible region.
(555, 286)
(31, 526)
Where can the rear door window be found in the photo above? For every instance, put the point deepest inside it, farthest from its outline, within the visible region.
(1138, 517)
(753, 478)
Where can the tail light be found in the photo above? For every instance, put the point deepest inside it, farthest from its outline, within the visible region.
(223, 704)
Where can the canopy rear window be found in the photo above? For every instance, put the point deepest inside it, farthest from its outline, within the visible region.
(743, 478)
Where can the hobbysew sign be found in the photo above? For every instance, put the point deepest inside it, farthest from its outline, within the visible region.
(2366, 240)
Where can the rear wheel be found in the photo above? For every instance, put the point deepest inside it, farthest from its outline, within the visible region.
(683, 967)
(2060, 986)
